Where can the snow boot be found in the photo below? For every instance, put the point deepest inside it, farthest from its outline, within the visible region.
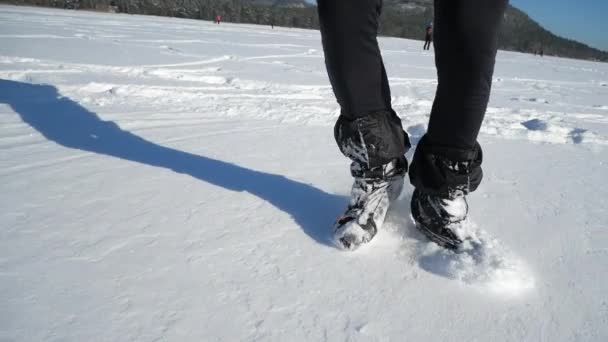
(372, 193)
(442, 177)
(440, 219)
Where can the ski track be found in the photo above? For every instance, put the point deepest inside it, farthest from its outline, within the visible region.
(211, 83)
(102, 245)
(503, 122)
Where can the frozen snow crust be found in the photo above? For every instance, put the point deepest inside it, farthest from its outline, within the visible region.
(175, 180)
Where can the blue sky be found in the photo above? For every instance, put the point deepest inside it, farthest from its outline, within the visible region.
(582, 20)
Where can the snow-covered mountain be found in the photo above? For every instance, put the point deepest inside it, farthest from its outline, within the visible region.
(176, 180)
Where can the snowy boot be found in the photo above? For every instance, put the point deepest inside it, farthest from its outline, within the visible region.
(376, 143)
(440, 219)
(442, 177)
(372, 193)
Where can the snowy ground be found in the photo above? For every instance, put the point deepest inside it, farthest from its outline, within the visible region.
(175, 180)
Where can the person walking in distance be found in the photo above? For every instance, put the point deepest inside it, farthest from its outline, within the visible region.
(446, 165)
(428, 39)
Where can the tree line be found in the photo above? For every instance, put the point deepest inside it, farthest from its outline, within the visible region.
(236, 11)
(402, 18)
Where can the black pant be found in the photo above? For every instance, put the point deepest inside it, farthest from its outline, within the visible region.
(465, 33)
(427, 42)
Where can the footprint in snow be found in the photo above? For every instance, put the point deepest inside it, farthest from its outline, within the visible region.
(482, 262)
(535, 125)
(169, 48)
(576, 135)
(530, 99)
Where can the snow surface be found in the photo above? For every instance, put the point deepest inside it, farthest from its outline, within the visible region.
(175, 180)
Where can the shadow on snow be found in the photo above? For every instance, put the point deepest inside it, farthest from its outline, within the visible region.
(67, 123)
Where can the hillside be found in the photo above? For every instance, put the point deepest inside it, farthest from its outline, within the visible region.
(519, 32)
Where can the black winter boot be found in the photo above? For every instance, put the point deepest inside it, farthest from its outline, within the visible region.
(372, 193)
(442, 177)
(376, 143)
(440, 219)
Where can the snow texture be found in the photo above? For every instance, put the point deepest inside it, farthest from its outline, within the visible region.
(175, 180)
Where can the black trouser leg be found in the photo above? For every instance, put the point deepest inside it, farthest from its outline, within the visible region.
(368, 130)
(352, 55)
(465, 49)
(465, 37)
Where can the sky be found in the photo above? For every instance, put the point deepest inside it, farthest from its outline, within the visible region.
(582, 20)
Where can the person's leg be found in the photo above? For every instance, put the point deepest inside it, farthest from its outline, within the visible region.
(367, 123)
(447, 162)
(368, 131)
(465, 42)
(352, 55)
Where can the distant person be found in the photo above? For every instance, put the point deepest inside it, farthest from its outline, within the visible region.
(218, 19)
(447, 163)
(541, 52)
(428, 39)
